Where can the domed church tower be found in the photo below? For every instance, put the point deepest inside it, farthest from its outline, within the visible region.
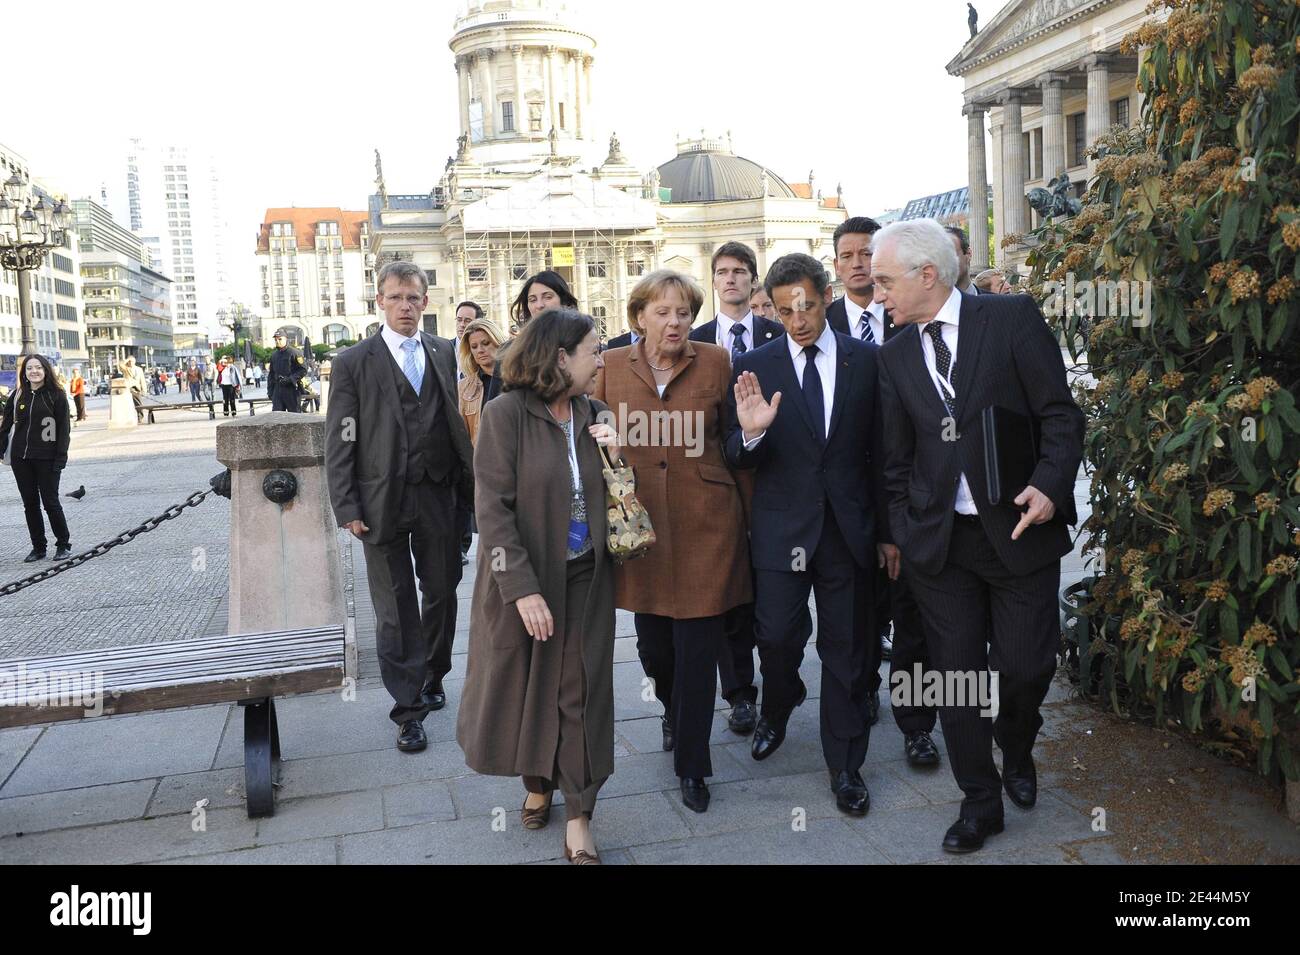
(524, 73)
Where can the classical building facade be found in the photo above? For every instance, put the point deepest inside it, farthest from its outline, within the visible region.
(1050, 79)
(315, 277)
(535, 182)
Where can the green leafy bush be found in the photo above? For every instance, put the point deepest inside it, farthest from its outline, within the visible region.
(1193, 439)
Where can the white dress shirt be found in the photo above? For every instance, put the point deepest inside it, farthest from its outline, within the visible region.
(824, 365)
(394, 342)
(873, 313)
(949, 314)
(722, 336)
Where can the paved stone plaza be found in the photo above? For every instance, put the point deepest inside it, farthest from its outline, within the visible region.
(122, 789)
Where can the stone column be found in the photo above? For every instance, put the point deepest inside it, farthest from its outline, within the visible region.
(579, 130)
(285, 571)
(1013, 166)
(489, 96)
(457, 275)
(553, 94)
(1053, 125)
(620, 283)
(994, 143)
(1098, 121)
(499, 275)
(463, 66)
(521, 108)
(580, 275)
(977, 188)
(586, 80)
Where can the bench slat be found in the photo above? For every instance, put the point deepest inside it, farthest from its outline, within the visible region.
(79, 660)
(130, 663)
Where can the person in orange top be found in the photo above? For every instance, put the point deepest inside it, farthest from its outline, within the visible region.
(77, 387)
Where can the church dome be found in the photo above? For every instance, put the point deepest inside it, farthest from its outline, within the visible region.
(706, 170)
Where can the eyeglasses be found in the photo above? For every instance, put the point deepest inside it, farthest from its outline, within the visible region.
(886, 282)
(414, 300)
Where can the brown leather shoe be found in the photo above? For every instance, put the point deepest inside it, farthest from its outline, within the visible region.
(581, 857)
(537, 818)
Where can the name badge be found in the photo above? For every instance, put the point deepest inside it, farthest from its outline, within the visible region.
(577, 534)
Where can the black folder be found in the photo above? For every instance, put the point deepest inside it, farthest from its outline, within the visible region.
(1010, 452)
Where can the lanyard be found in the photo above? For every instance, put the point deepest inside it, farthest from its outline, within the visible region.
(576, 482)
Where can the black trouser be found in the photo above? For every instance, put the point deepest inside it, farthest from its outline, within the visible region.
(845, 617)
(465, 525)
(414, 636)
(228, 400)
(899, 605)
(957, 604)
(736, 659)
(284, 397)
(38, 482)
(681, 657)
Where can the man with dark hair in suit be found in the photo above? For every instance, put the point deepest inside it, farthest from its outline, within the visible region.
(803, 415)
(397, 456)
(629, 337)
(984, 575)
(962, 245)
(857, 315)
(737, 329)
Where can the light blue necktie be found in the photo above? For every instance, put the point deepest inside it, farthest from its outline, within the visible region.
(410, 366)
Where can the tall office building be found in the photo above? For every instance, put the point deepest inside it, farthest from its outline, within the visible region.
(173, 203)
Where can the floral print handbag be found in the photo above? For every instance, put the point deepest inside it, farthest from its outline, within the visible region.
(630, 533)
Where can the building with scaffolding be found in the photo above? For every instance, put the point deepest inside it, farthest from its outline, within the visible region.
(521, 192)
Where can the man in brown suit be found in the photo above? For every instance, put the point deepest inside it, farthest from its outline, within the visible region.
(397, 459)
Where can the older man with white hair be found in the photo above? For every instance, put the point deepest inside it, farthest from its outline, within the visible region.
(983, 559)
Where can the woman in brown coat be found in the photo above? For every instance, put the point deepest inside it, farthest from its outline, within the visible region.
(539, 686)
(478, 359)
(668, 395)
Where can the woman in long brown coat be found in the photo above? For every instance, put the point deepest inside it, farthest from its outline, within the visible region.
(668, 395)
(539, 687)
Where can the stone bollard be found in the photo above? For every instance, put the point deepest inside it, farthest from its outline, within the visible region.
(121, 409)
(285, 571)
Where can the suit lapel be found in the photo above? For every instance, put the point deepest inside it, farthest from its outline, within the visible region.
(641, 368)
(764, 331)
(914, 361)
(448, 386)
(379, 360)
(970, 336)
(843, 378)
(688, 356)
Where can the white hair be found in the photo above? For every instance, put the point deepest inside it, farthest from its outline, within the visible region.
(919, 242)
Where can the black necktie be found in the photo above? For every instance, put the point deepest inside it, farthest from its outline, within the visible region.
(737, 341)
(867, 334)
(942, 360)
(812, 391)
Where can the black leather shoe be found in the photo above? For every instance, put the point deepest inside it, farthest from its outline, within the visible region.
(769, 734)
(695, 794)
(967, 835)
(62, 552)
(851, 794)
(743, 717)
(920, 749)
(1021, 785)
(411, 738)
(873, 708)
(670, 738)
(34, 556)
(433, 695)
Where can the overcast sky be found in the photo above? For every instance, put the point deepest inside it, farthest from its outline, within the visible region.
(290, 95)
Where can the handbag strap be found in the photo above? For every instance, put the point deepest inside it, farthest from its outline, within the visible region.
(604, 454)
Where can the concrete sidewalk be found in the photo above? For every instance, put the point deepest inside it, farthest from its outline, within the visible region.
(125, 789)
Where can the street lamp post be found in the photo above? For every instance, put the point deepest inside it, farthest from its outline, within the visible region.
(28, 230)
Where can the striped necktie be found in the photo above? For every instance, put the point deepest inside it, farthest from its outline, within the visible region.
(411, 366)
(737, 341)
(867, 334)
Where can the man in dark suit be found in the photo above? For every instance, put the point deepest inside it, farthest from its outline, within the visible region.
(961, 244)
(622, 341)
(985, 576)
(398, 458)
(737, 329)
(803, 414)
(857, 315)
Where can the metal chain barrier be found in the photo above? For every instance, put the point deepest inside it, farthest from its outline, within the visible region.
(124, 538)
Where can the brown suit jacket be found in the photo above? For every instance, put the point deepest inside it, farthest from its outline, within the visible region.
(699, 565)
(470, 389)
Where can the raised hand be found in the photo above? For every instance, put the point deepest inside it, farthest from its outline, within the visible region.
(754, 412)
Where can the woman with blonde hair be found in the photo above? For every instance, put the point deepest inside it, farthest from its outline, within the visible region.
(477, 353)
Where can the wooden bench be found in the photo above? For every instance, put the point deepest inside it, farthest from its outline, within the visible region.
(253, 403)
(248, 669)
(181, 406)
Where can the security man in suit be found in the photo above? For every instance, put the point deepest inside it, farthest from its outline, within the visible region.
(398, 459)
(288, 371)
(985, 576)
(805, 419)
(857, 315)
